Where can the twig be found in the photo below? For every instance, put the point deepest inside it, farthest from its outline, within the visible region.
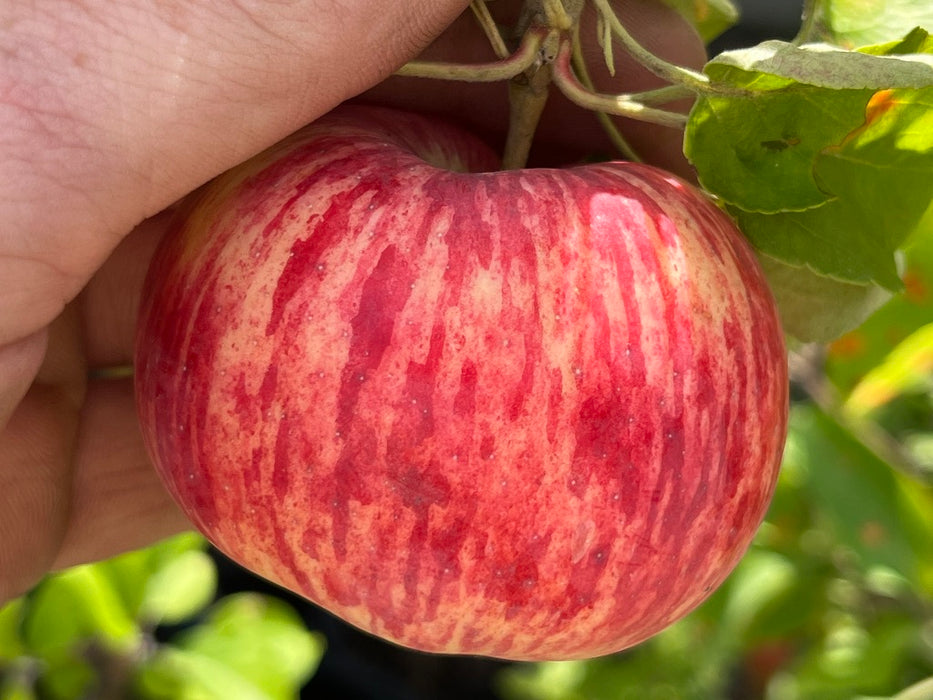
(556, 15)
(809, 28)
(481, 12)
(670, 72)
(609, 126)
(491, 72)
(630, 106)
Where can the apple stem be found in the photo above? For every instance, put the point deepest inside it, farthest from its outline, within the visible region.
(528, 93)
(631, 106)
(485, 20)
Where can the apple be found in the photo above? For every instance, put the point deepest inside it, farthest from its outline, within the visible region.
(534, 414)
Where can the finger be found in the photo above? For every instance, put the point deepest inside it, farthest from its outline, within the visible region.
(36, 450)
(113, 110)
(118, 502)
(37, 441)
(111, 299)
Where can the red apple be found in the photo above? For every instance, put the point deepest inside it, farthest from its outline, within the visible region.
(534, 414)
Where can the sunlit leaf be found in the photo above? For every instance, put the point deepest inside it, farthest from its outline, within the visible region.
(918, 691)
(787, 65)
(180, 588)
(710, 17)
(860, 22)
(182, 674)
(908, 368)
(825, 162)
(758, 154)
(80, 603)
(259, 638)
(552, 680)
(130, 573)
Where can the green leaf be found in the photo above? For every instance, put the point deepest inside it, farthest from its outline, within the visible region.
(179, 589)
(710, 17)
(758, 153)
(859, 22)
(823, 65)
(130, 573)
(549, 680)
(67, 676)
(181, 674)
(918, 691)
(78, 604)
(859, 499)
(11, 620)
(767, 597)
(916, 41)
(260, 639)
(854, 355)
(825, 161)
(815, 308)
(854, 661)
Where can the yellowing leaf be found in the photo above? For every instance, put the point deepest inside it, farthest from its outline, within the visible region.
(908, 368)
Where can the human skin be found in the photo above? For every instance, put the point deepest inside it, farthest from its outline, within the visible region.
(112, 111)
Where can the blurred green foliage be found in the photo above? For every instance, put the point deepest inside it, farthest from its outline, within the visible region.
(91, 631)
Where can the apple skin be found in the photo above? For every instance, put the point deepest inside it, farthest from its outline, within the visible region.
(532, 415)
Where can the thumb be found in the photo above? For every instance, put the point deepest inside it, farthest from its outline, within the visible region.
(112, 110)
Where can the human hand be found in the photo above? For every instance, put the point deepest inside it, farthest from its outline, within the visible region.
(112, 111)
